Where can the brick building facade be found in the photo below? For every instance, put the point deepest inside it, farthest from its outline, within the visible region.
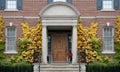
(59, 19)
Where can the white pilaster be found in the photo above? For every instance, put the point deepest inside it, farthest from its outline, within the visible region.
(44, 44)
(74, 44)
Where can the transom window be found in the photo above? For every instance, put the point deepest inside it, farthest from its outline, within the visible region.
(108, 43)
(51, 1)
(10, 39)
(107, 4)
(11, 4)
(59, 0)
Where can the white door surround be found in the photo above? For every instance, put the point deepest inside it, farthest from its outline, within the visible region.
(59, 14)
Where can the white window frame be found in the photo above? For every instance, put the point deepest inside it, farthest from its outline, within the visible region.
(108, 9)
(59, 0)
(7, 51)
(11, 9)
(110, 43)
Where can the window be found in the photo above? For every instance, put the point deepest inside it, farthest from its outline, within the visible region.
(108, 43)
(69, 41)
(107, 4)
(49, 44)
(59, 0)
(10, 39)
(11, 4)
(51, 1)
(49, 57)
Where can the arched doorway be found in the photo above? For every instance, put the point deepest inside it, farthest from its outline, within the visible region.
(59, 21)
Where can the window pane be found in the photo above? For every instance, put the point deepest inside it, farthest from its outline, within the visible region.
(59, 0)
(11, 31)
(107, 4)
(11, 4)
(49, 44)
(10, 48)
(108, 31)
(11, 43)
(11, 40)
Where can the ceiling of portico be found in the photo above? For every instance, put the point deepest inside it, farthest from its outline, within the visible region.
(59, 27)
(59, 9)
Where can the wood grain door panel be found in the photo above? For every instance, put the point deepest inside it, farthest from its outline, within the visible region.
(59, 46)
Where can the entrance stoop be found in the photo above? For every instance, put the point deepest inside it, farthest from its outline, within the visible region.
(59, 67)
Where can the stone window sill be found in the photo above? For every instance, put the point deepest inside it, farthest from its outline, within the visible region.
(108, 10)
(10, 52)
(108, 52)
(11, 10)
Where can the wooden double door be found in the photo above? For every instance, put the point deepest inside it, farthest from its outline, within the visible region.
(59, 45)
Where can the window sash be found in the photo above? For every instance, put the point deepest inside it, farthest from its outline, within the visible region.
(10, 32)
(11, 4)
(11, 43)
(10, 39)
(59, 0)
(108, 42)
(107, 4)
(108, 32)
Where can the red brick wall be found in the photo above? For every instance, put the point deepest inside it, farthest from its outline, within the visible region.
(89, 8)
(85, 7)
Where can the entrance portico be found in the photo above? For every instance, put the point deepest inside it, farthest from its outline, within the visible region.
(59, 16)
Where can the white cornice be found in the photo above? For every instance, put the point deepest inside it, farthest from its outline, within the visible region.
(59, 17)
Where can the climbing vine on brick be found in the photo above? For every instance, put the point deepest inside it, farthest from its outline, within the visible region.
(30, 42)
(2, 43)
(117, 38)
(88, 41)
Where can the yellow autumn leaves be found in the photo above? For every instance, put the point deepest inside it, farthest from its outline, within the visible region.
(34, 35)
(1, 28)
(85, 36)
(118, 29)
(33, 38)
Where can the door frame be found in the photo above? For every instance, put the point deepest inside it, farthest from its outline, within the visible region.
(50, 55)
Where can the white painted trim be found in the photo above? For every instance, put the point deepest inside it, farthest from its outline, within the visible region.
(74, 44)
(6, 51)
(106, 16)
(108, 52)
(59, 0)
(44, 45)
(61, 17)
(108, 10)
(10, 52)
(14, 17)
(59, 22)
(11, 10)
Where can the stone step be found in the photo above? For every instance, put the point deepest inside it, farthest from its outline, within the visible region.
(59, 67)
